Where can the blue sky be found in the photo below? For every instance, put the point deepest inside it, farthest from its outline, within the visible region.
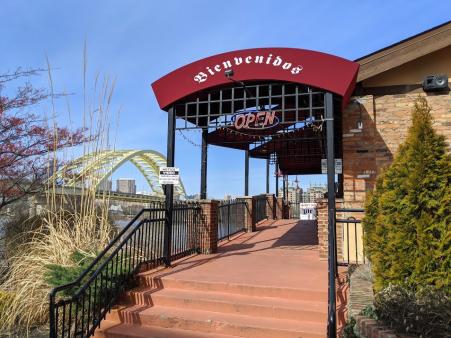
(136, 42)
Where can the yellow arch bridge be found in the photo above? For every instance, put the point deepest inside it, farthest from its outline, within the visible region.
(94, 169)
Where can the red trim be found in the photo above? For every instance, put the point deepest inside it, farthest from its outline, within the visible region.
(325, 71)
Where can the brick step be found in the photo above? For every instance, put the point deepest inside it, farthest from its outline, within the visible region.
(221, 323)
(315, 311)
(110, 329)
(234, 288)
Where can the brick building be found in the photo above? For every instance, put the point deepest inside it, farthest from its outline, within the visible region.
(388, 82)
(376, 120)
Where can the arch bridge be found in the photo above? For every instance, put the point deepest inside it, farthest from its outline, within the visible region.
(95, 168)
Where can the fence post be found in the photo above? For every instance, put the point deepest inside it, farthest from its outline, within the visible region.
(228, 220)
(248, 215)
(270, 212)
(322, 222)
(279, 208)
(208, 226)
(52, 333)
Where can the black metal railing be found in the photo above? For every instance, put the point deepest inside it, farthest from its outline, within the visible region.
(231, 218)
(77, 308)
(259, 208)
(295, 210)
(352, 237)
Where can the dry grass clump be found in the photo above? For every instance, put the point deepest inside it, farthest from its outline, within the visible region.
(60, 235)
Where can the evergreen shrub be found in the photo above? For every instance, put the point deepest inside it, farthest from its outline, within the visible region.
(407, 233)
(408, 216)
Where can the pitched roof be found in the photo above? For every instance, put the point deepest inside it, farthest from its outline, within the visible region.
(404, 51)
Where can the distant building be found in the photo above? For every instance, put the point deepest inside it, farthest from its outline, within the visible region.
(313, 193)
(144, 192)
(106, 185)
(294, 194)
(126, 185)
(193, 197)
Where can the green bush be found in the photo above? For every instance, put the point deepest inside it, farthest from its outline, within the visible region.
(348, 330)
(407, 233)
(425, 312)
(57, 275)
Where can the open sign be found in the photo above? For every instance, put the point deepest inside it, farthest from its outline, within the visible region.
(255, 120)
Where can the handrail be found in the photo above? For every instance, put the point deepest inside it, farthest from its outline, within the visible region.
(102, 266)
(100, 255)
(349, 210)
(80, 313)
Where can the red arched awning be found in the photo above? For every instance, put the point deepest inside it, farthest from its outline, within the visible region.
(321, 70)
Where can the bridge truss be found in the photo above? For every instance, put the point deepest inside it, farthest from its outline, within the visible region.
(94, 169)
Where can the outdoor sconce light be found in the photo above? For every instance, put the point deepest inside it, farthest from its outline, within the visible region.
(360, 120)
(229, 75)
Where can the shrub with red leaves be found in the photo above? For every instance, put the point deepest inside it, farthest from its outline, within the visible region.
(26, 139)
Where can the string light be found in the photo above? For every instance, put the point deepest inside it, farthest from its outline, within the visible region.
(317, 127)
(188, 139)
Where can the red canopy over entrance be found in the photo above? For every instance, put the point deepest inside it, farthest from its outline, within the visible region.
(321, 70)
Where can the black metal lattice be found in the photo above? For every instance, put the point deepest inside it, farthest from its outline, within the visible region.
(215, 109)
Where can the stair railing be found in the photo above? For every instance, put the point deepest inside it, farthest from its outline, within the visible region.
(77, 308)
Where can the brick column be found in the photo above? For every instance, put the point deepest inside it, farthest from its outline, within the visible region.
(270, 206)
(286, 211)
(279, 207)
(249, 224)
(208, 226)
(322, 215)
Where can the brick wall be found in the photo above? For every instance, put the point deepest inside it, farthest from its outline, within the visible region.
(279, 207)
(271, 206)
(322, 221)
(208, 227)
(369, 328)
(249, 224)
(385, 120)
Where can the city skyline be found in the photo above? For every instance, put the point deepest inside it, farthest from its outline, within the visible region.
(123, 43)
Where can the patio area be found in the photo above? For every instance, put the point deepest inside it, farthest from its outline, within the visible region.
(268, 283)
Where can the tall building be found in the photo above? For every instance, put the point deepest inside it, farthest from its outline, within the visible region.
(126, 185)
(313, 193)
(294, 194)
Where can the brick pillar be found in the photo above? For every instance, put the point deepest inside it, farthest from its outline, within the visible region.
(322, 222)
(279, 207)
(286, 211)
(270, 207)
(208, 226)
(249, 224)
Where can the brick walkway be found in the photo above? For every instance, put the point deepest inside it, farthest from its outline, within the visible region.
(269, 283)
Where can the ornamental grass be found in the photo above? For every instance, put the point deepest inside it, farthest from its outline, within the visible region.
(65, 228)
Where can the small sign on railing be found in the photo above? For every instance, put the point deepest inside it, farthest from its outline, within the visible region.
(169, 175)
(338, 166)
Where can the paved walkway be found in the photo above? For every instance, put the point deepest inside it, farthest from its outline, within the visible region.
(280, 253)
(275, 270)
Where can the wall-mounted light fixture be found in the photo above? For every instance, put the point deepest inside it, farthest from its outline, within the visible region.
(229, 75)
(360, 119)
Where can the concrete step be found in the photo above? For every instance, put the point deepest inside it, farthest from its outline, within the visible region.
(222, 323)
(234, 288)
(114, 330)
(315, 311)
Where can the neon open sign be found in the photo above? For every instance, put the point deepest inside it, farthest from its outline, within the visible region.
(255, 120)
